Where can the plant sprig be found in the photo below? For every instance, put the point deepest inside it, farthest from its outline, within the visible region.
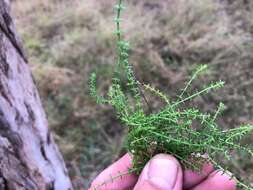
(186, 133)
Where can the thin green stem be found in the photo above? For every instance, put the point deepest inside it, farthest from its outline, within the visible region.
(212, 86)
(199, 70)
(119, 8)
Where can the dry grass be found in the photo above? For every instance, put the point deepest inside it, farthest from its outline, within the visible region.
(66, 40)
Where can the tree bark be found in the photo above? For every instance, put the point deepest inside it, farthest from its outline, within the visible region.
(29, 157)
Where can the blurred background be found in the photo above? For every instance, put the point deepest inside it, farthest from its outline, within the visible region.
(67, 40)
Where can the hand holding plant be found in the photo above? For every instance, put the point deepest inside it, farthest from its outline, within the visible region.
(163, 172)
(194, 138)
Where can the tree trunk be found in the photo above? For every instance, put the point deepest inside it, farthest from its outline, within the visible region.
(29, 157)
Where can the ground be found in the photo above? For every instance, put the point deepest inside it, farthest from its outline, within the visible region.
(65, 41)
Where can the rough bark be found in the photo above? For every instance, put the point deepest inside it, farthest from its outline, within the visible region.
(29, 157)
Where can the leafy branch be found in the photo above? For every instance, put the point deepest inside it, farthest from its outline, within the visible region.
(186, 133)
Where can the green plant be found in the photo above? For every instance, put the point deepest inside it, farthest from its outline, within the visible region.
(188, 134)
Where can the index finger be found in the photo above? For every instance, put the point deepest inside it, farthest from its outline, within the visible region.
(116, 176)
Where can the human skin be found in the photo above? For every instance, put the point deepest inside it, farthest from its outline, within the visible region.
(162, 172)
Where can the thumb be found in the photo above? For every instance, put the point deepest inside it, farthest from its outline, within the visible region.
(163, 172)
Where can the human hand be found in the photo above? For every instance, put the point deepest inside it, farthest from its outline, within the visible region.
(163, 172)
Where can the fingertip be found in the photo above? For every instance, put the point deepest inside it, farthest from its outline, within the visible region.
(161, 172)
(166, 157)
(192, 178)
(124, 163)
(108, 178)
(217, 180)
(224, 178)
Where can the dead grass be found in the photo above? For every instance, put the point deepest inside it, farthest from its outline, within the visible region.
(66, 40)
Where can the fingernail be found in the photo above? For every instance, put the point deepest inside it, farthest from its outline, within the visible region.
(162, 173)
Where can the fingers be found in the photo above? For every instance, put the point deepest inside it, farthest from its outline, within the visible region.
(163, 172)
(104, 181)
(216, 180)
(192, 178)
